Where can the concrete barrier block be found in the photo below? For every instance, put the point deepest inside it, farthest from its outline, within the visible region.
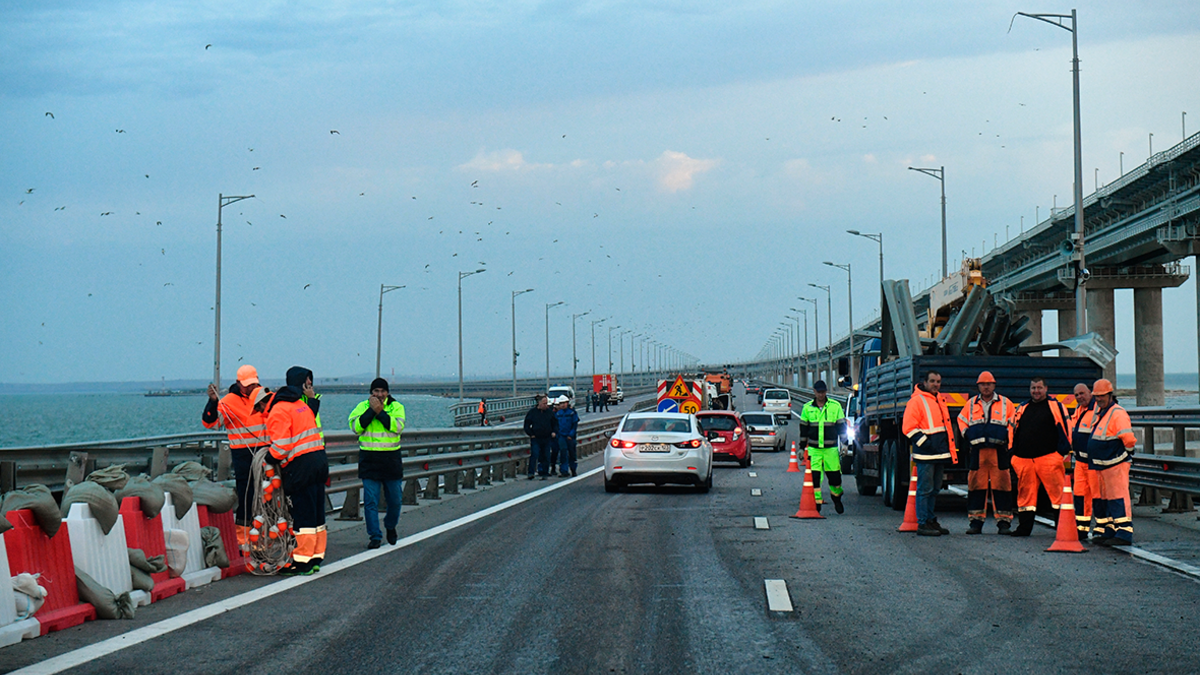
(104, 557)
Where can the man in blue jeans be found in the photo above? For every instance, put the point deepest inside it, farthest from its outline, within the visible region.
(568, 429)
(541, 426)
(378, 422)
(930, 432)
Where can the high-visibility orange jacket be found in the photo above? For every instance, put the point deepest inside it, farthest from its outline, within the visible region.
(293, 428)
(1082, 424)
(987, 425)
(482, 408)
(236, 415)
(927, 424)
(1060, 424)
(1112, 438)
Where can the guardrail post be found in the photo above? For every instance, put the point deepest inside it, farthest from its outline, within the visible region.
(76, 468)
(485, 474)
(468, 481)
(224, 461)
(350, 506)
(410, 492)
(431, 488)
(8, 476)
(451, 486)
(158, 462)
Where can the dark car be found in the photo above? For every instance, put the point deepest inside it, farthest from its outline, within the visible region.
(729, 438)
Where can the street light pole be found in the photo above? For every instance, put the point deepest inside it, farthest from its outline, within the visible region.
(461, 276)
(621, 340)
(878, 238)
(829, 323)
(222, 202)
(379, 334)
(514, 336)
(574, 358)
(816, 333)
(940, 174)
(610, 361)
(805, 313)
(850, 313)
(1078, 255)
(548, 306)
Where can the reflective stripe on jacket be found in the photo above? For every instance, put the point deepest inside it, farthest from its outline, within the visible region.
(819, 424)
(1060, 423)
(1082, 424)
(294, 431)
(375, 437)
(987, 425)
(927, 425)
(1112, 438)
(236, 415)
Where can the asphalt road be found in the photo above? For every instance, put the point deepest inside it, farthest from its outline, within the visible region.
(665, 580)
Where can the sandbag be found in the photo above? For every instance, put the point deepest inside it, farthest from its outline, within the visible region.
(181, 492)
(218, 498)
(150, 494)
(214, 548)
(36, 498)
(108, 605)
(29, 595)
(103, 504)
(151, 565)
(191, 471)
(112, 477)
(177, 546)
(140, 580)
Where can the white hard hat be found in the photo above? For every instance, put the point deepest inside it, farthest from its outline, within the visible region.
(562, 399)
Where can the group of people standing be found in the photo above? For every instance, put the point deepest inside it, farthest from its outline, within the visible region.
(1038, 441)
(552, 427)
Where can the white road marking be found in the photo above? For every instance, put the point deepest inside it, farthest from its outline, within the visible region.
(760, 523)
(777, 595)
(115, 644)
(755, 492)
(754, 474)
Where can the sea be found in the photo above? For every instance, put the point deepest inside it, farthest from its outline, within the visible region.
(48, 419)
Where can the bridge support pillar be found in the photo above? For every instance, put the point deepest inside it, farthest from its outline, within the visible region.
(1035, 325)
(1148, 346)
(1066, 329)
(1101, 320)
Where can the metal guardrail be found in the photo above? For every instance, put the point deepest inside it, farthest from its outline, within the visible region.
(466, 414)
(1178, 472)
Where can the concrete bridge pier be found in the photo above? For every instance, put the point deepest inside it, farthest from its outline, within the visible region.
(1035, 325)
(1066, 329)
(1102, 320)
(1148, 346)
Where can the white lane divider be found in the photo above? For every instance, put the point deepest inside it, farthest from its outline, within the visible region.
(760, 523)
(778, 599)
(115, 644)
(755, 492)
(754, 474)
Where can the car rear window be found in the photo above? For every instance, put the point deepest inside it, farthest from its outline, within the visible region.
(717, 422)
(753, 418)
(660, 424)
(777, 393)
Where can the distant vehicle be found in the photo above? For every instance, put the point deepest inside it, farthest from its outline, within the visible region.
(618, 395)
(764, 432)
(777, 401)
(732, 444)
(753, 389)
(659, 448)
(720, 390)
(606, 382)
(561, 390)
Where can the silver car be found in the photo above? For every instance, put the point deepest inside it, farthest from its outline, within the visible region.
(767, 430)
(658, 448)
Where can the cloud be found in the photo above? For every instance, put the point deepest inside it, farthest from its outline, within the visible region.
(677, 171)
(499, 160)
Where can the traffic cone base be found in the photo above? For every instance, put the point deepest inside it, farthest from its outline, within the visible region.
(808, 502)
(1066, 538)
(793, 465)
(910, 509)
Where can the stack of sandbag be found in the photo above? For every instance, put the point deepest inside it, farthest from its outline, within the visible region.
(151, 495)
(141, 567)
(180, 491)
(214, 548)
(111, 477)
(104, 506)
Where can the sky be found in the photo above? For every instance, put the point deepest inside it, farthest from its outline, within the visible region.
(678, 169)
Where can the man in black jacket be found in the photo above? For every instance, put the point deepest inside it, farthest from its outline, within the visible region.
(540, 424)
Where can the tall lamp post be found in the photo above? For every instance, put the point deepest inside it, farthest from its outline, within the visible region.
(796, 351)
(379, 333)
(878, 239)
(850, 314)
(574, 358)
(940, 174)
(805, 313)
(816, 333)
(594, 342)
(610, 361)
(1077, 255)
(461, 276)
(548, 306)
(514, 336)
(222, 202)
(621, 340)
(829, 323)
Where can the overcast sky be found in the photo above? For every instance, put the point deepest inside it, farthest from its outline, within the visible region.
(680, 168)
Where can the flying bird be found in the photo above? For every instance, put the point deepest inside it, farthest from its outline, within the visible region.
(164, 251)
(60, 208)
(120, 131)
(256, 168)
(107, 213)
(475, 183)
(50, 115)
(168, 284)
(335, 131)
(30, 191)
(361, 194)
(306, 286)
(283, 216)
(147, 175)
(207, 46)
(158, 223)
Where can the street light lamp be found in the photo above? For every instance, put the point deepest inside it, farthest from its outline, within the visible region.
(379, 334)
(574, 358)
(1080, 294)
(461, 276)
(850, 314)
(548, 306)
(829, 323)
(222, 202)
(514, 336)
(940, 174)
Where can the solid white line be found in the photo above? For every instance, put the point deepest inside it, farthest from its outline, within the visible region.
(114, 644)
(760, 523)
(1184, 568)
(755, 492)
(777, 595)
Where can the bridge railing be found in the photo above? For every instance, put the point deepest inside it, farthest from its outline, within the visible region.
(1178, 472)
(467, 413)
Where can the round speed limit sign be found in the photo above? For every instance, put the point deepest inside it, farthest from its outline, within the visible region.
(689, 407)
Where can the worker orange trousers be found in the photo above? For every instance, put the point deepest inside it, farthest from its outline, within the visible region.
(989, 475)
(1117, 514)
(1046, 471)
(1086, 487)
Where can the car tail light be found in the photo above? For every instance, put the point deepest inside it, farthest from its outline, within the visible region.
(694, 443)
(618, 443)
(770, 433)
(737, 433)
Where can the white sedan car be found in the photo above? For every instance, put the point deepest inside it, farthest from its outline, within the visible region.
(658, 448)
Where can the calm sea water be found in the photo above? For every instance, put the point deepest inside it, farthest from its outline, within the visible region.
(45, 419)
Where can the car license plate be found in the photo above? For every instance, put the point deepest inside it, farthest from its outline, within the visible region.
(653, 447)
(720, 439)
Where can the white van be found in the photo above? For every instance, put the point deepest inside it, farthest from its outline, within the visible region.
(561, 390)
(777, 401)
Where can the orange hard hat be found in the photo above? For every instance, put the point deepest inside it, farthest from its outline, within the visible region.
(247, 375)
(985, 376)
(1102, 386)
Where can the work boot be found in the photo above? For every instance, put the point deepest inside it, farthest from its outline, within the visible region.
(1024, 524)
(975, 527)
(391, 536)
(928, 530)
(837, 504)
(939, 527)
(1083, 536)
(818, 507)
(573, 473)
(1004, 527)
(374, 543)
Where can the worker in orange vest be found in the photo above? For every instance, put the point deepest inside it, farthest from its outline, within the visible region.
(483, 412)
(986, 425)
(299, 448)
(1110, 452)
(247, 430)
(1041, 439)
(931, 440)
(1085, 482)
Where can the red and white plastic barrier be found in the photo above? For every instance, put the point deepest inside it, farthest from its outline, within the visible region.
(225, 523)
(12, 630)
(195, 573)
(103, 557)
(147, 534)
(30, 550)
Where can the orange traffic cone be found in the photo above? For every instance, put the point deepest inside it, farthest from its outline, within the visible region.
(1066, 539)
(910, 510)
(808, 501)
(793, 465)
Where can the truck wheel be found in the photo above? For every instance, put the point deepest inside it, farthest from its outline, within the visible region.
(865, 487)
(886, 478)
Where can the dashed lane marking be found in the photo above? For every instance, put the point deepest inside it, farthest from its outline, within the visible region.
(755, 492)
(115, 644)
(754, 474)
(778, 599)
(760, 523)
